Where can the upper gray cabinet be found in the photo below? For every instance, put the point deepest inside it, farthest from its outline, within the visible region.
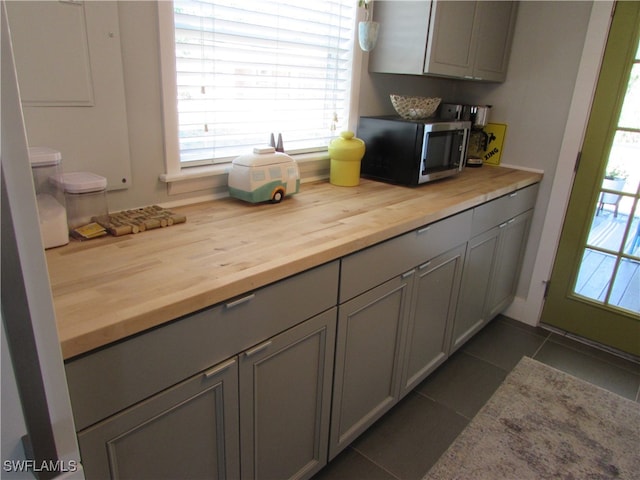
(461, 39)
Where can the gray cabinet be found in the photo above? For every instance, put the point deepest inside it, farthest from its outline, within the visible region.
(494, 27)
(393, 328)
(433, 306)
(462, 39)
(494, 255)
(232, 421)
(513, 237)
(111, 379)
(482, 250)
(368, 359)
(187, 431)
(285, 400)
(139, 418)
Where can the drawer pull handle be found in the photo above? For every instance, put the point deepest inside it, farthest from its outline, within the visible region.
(408, 274)
(514, 194)
(219, 369)
(424, 265)
(423, 230)
(240, 301)
(502, 225)
(257, 349)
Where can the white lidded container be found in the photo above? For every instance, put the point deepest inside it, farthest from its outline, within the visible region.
(52, 215)
(85, 196)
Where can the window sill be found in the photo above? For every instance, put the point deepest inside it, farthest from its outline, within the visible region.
(313, 166)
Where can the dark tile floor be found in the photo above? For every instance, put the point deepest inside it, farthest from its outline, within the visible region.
(410, 438)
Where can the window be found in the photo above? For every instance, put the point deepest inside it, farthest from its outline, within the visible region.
(237, 71)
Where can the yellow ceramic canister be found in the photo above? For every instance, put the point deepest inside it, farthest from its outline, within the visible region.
(345, 152)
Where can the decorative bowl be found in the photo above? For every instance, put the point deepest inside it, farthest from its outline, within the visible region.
(414, 108)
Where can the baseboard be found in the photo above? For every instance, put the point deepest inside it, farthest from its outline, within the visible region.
(521, 311)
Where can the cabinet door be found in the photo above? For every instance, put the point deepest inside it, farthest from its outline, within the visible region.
(451, 48)
(513, 238)
(461, 39)
(433, 306)
(285, 395)
(495, 22)
(368, 359)
(476, 278)
(188, 431)
(403, 36)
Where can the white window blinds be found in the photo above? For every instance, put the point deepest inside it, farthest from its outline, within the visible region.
(249, 68)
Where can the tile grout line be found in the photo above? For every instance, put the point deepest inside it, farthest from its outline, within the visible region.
(443, 405)
(370, 460)
(541, 345)
(486, 361)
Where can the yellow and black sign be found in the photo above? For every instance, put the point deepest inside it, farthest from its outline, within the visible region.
(496, 133)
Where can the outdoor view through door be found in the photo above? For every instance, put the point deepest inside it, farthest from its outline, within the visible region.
(610, 267)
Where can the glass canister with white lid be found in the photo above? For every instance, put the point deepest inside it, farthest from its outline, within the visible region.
(46, 163)
(85, 196)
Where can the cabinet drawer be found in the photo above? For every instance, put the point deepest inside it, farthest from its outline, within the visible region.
(442, 236)
(372, 266)
(201, 413)
(501, 209)
(369, 268)
(108, 380)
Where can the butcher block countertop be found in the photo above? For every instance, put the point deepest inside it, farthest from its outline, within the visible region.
(109, 288)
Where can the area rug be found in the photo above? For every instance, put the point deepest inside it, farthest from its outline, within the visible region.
(542, 423)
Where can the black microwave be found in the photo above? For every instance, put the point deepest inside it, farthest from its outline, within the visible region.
(412, 152)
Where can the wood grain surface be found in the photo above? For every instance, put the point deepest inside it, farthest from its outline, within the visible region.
(111, 287)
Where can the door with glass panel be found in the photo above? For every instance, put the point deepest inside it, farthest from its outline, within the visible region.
(594, 290)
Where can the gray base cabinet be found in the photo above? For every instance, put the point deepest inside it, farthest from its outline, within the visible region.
(261, 415)
(494, 254)
(368, 359)
(188, 431)
(482, 251)
(461, 39)
(433, 307)
(513, 238)
(255, 402)
(285, 400)
(392, 335)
